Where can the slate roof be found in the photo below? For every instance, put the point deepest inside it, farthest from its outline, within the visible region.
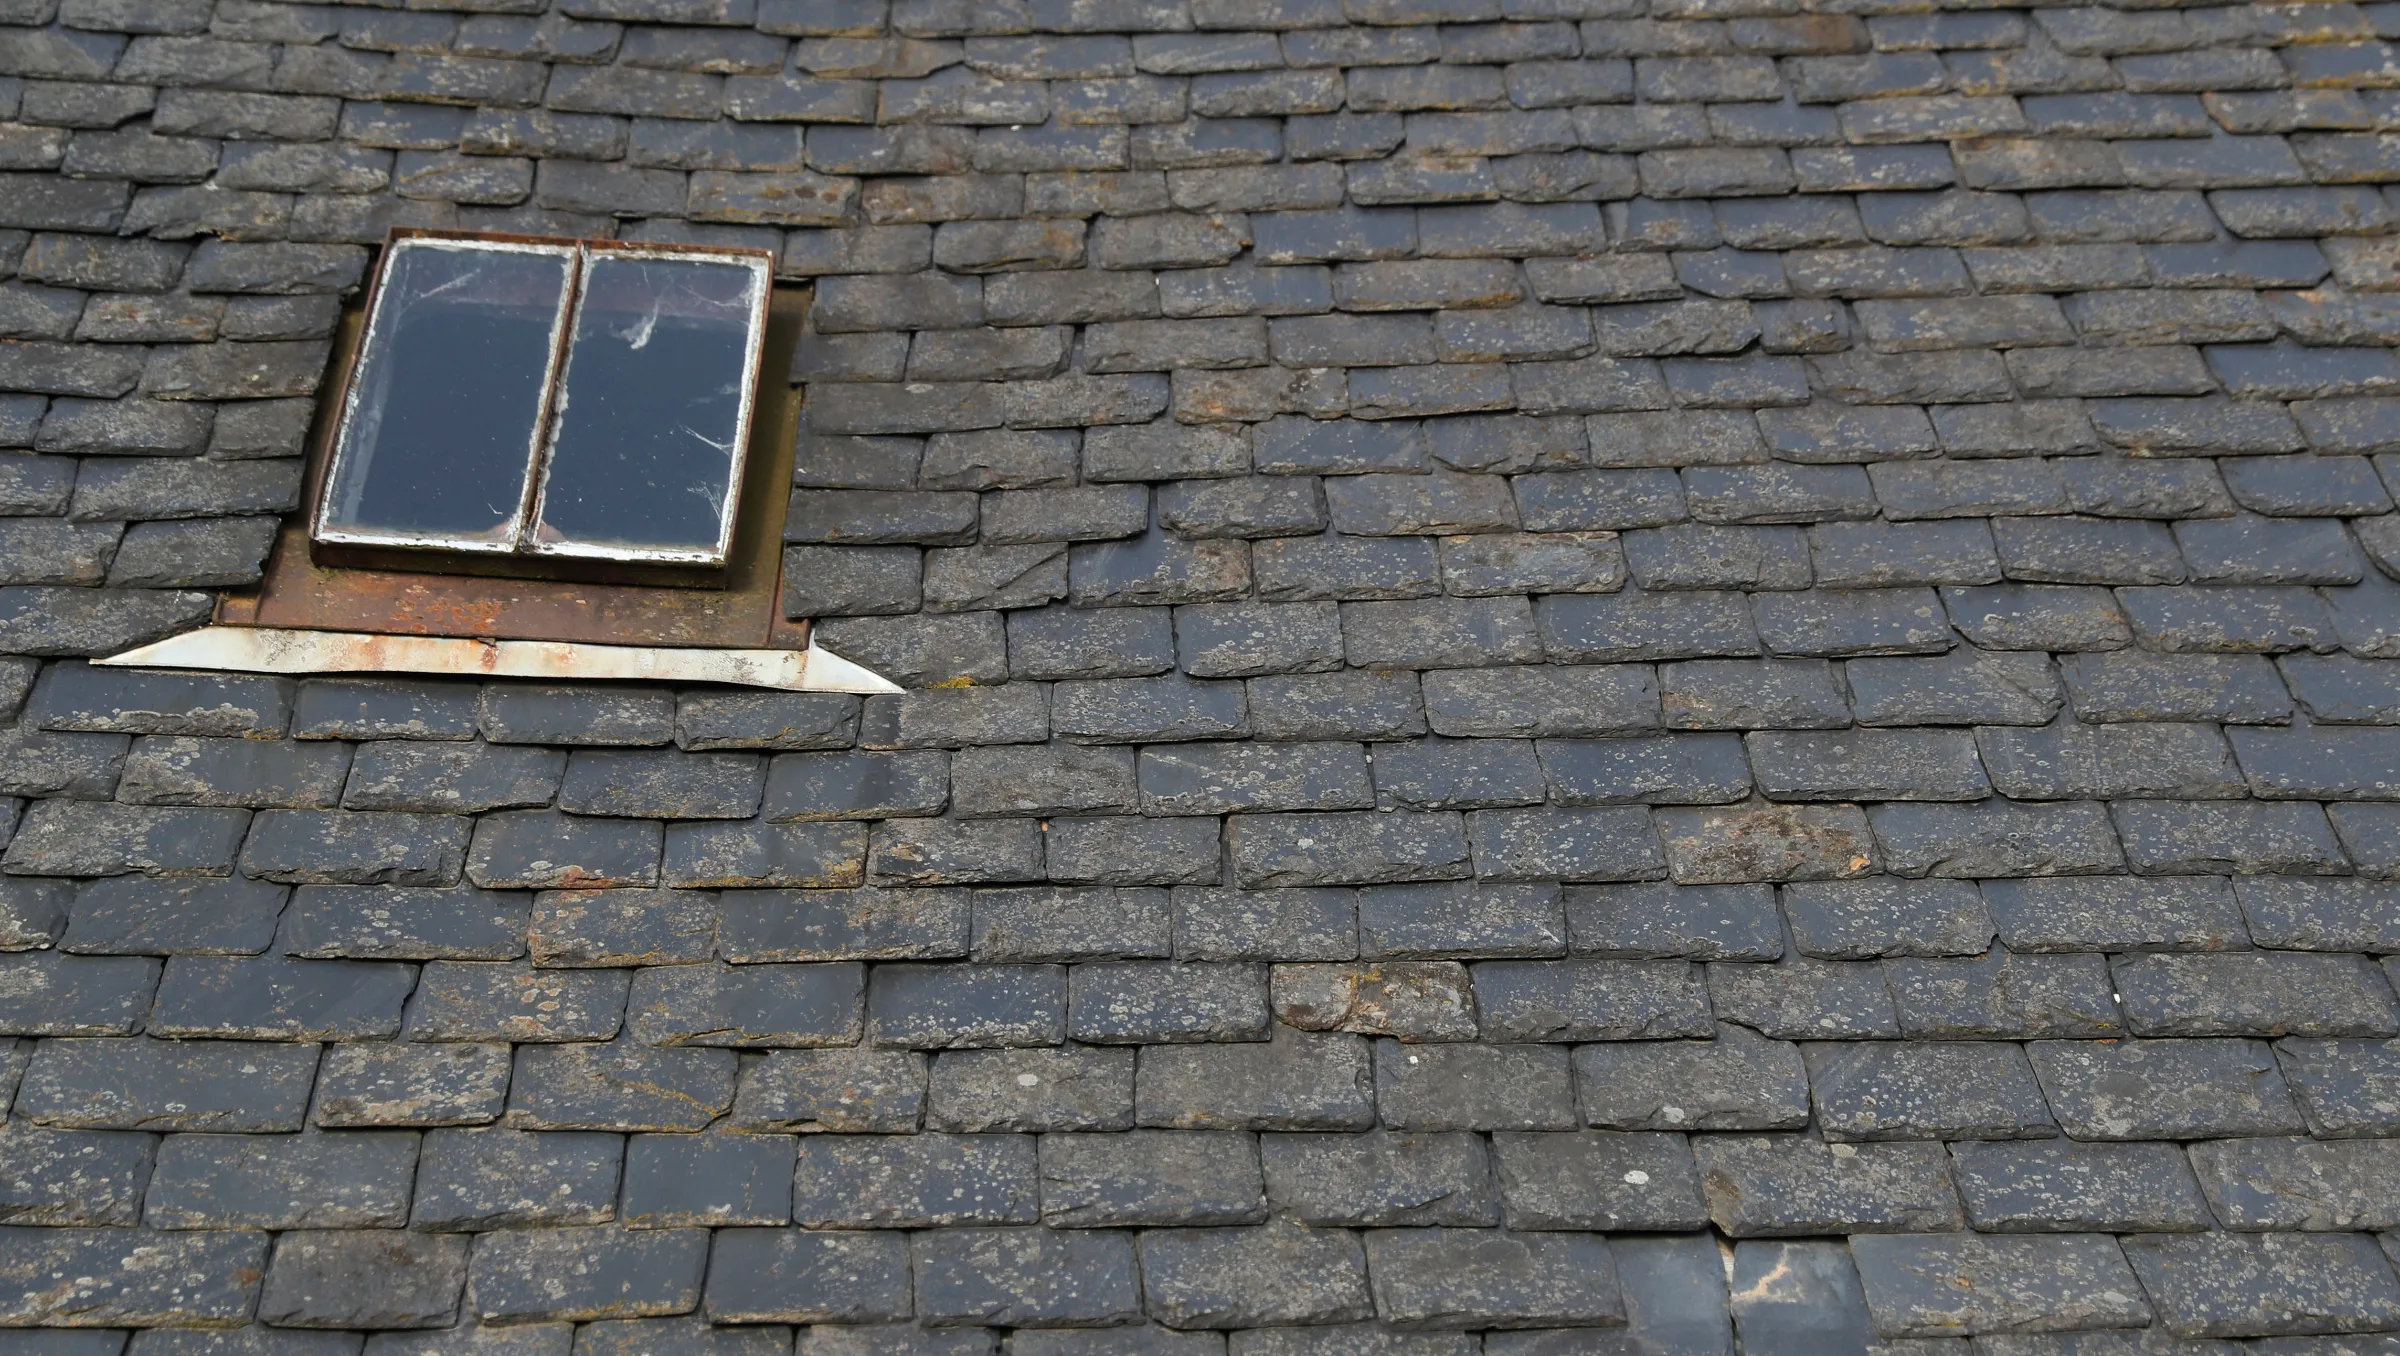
(1586, 678)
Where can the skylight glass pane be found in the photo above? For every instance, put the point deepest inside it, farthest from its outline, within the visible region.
(651, 414)
(445, 406)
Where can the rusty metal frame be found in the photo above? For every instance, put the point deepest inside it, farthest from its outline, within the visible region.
(522, 542)
(311, 586)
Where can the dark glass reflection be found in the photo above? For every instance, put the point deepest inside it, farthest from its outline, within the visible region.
(449, 395)
(649, 423)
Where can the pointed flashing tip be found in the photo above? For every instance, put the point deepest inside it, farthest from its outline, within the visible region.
(828, 672)
(264, 649)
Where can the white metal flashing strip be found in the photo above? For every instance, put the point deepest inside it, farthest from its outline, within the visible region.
(266, 649)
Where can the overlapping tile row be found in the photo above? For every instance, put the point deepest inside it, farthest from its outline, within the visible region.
(1584, 677)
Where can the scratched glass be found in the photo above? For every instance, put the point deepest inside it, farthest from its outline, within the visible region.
(646, 458)
(445, 410)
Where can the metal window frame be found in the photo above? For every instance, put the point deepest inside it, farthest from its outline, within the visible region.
(523, 542)
(760, 267)
(314, 587)
(308, 614)
(379, 307)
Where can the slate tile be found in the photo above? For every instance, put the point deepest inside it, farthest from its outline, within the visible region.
(1214, 778)
(1266, 925)
(2003, 994)
(1026, 1275)
(1032, 1089)
(679, 1181)
(587, 1273)
(2116, 913)
(1810, 1295)
(747, 1006)
(1997, 837)
(1785, 1186)
(134, 1083)
(1165, 1002)
(1655, 921)
(614, 1086)
(2226, 1285)
(1738, 1081)
(1410, 1000)
(1965, 687)
(451, 777)
(73, 1177)
(136, 1278)
(41, 762)
(1346, 848)
(314, 1180)
(1945, 1285)
(383, 708)
(807, 1276)
(2254, 993)
(1766, 843)
(2107, 1090)
(1433, 921)
(255, 774)
(601, 928)
(1380, 1178)
(2061, 1186)
(336, 847)
(954, 852)
(2261, 1184)
(1600, 1180)
(363, 1084)
(1855, 920)
(1591, 1000)
(1068, 924)
(1667, 769)
(855, 785)
(517, 713)
(965, 1007)
(544, 850)
(2069, 759)
(77, 696)
(845, 1091)
(827, 925)
(98, 838)
(48, 994)
(403, 923)
(512, 1001)
(1734, 694)
(1153, 1177)
(1293, 1081)
(1270, 1274)
(2181, 837)
(33, 913)
(364, 1278)
(2342, 1086)
(2037, 617)
(1472, 1087)
(1457, 774)
(275, 998)
(1448, 1278)
(1947, 1090)
(915, 1181)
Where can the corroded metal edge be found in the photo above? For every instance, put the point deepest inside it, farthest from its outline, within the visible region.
(266, 649)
